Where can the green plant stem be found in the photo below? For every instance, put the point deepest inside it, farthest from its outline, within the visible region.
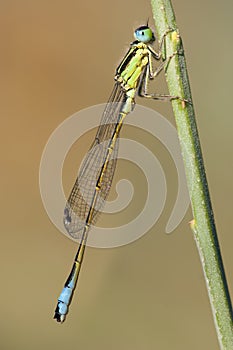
(203, 225)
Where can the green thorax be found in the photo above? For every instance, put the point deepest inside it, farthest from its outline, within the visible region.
(130, 75)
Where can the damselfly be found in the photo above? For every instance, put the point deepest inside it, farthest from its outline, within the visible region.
(95, 177)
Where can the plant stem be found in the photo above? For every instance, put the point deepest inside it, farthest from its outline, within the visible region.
(203, 225)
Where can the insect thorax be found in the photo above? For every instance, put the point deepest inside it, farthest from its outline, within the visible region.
(130, 73)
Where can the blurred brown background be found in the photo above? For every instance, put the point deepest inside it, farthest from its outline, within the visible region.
(58, 57)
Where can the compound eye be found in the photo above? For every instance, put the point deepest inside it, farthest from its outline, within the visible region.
(144, 34)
